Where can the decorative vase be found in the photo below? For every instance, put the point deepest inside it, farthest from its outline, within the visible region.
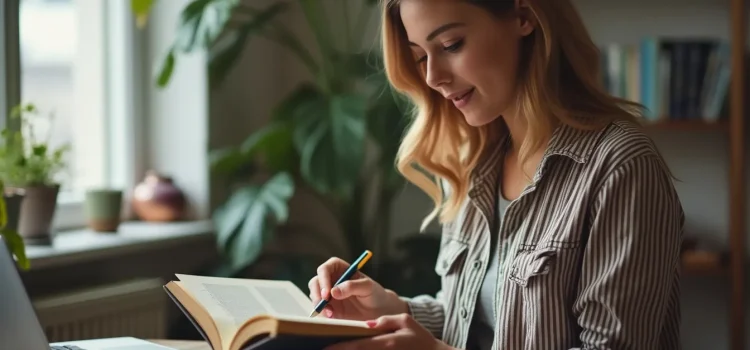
(37, 212)
(103, 208)
(157, 198)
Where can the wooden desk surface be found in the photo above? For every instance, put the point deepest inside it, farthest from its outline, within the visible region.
(183, 344)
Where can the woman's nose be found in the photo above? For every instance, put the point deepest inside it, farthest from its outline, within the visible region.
(437, 74)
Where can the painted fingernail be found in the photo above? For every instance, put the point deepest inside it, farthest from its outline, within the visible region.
(371, 324)
(329, 313)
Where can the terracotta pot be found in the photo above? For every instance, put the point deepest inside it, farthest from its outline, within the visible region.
(157, 198)
(37, 211)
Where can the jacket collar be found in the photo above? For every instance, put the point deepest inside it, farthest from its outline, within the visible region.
(567, 141)
(576, 144)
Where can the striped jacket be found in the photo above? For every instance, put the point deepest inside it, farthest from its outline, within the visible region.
(598, 262)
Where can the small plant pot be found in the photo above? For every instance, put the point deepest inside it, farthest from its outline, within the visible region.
(37, 211)
(103, 208)
(13, 202)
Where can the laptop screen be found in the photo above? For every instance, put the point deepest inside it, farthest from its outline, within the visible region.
(20, 327)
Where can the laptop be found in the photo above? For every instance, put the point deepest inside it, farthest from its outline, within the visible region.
(21, 328)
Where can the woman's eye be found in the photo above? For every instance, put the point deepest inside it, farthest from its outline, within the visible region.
(454, 47)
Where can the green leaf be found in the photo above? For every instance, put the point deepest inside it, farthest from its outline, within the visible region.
(330, 139)
(305, 99)
(201, 22)
(141, 9)
(275, 146)
(14, 241)
(228, 48)
(246, 221)
(165, 73)
(271, 144)
(231, 161)
(230, 216)
(3, 213)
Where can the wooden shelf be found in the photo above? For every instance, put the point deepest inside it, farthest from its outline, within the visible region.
(688, 125)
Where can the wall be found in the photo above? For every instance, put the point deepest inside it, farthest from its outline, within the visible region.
(699, 159)
(176, 118)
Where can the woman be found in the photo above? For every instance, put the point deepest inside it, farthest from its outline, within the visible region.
(561, 227)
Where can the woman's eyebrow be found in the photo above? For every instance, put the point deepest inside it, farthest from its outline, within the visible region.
(441, 29)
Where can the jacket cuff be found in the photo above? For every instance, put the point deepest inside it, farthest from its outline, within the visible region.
(429, 312)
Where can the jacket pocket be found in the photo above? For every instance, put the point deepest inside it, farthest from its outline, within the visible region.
(448, 266)
(449, 255)
(531, 263)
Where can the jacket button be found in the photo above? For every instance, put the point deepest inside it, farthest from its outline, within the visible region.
(445, 264)
(477, 264)
(464, 313)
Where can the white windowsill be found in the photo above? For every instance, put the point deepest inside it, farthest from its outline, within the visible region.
(84, 245)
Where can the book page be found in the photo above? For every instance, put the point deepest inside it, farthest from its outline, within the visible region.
(232, 301)
(235, 300)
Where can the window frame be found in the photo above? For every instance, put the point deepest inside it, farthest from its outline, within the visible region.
(121, 105)
(10, 83)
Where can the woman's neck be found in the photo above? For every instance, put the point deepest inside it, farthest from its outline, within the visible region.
(516, 129)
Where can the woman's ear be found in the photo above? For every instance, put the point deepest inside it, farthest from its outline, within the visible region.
(526, 18)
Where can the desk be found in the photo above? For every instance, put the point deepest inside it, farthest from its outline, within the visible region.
(183, 344)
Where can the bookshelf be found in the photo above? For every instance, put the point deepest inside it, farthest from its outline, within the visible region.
(632, 71)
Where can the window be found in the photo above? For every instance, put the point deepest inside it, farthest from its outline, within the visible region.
(77, 64)
(62, 71)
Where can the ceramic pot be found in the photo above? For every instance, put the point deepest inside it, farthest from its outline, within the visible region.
(103, 208)
(37, 211)
(157, 198)
(13, 201)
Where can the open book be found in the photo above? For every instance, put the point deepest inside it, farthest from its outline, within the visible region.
(243, 314)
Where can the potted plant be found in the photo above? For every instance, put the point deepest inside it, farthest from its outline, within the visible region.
(28, 165)
(336, 135)
(9, 211)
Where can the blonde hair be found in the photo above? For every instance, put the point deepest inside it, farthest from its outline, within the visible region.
(561, 68)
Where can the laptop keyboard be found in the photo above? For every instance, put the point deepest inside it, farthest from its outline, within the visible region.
(65, 347)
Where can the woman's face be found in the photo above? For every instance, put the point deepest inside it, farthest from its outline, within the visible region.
(469, 55)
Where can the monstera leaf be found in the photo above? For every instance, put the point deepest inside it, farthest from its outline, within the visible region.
(271, 145)
(329, 135)
(245, 222)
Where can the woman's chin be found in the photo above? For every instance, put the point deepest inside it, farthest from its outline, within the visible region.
(478, 120)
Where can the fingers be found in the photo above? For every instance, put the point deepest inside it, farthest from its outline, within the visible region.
(358, 288)
(388, 340)
(329, 270)
(314, 287)
(392, 323)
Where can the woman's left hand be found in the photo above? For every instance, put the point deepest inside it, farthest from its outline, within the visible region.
(403, 332)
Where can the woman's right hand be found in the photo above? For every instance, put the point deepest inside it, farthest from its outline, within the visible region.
(359, 298)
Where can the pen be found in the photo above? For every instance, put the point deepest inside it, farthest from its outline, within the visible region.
(354, 267)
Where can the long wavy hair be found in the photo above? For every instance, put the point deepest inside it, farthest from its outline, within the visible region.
(560, 66)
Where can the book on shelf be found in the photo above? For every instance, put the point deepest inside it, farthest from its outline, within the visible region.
(676, 78)
(245, 314)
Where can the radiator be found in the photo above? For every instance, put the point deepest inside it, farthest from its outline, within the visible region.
(135, 308)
